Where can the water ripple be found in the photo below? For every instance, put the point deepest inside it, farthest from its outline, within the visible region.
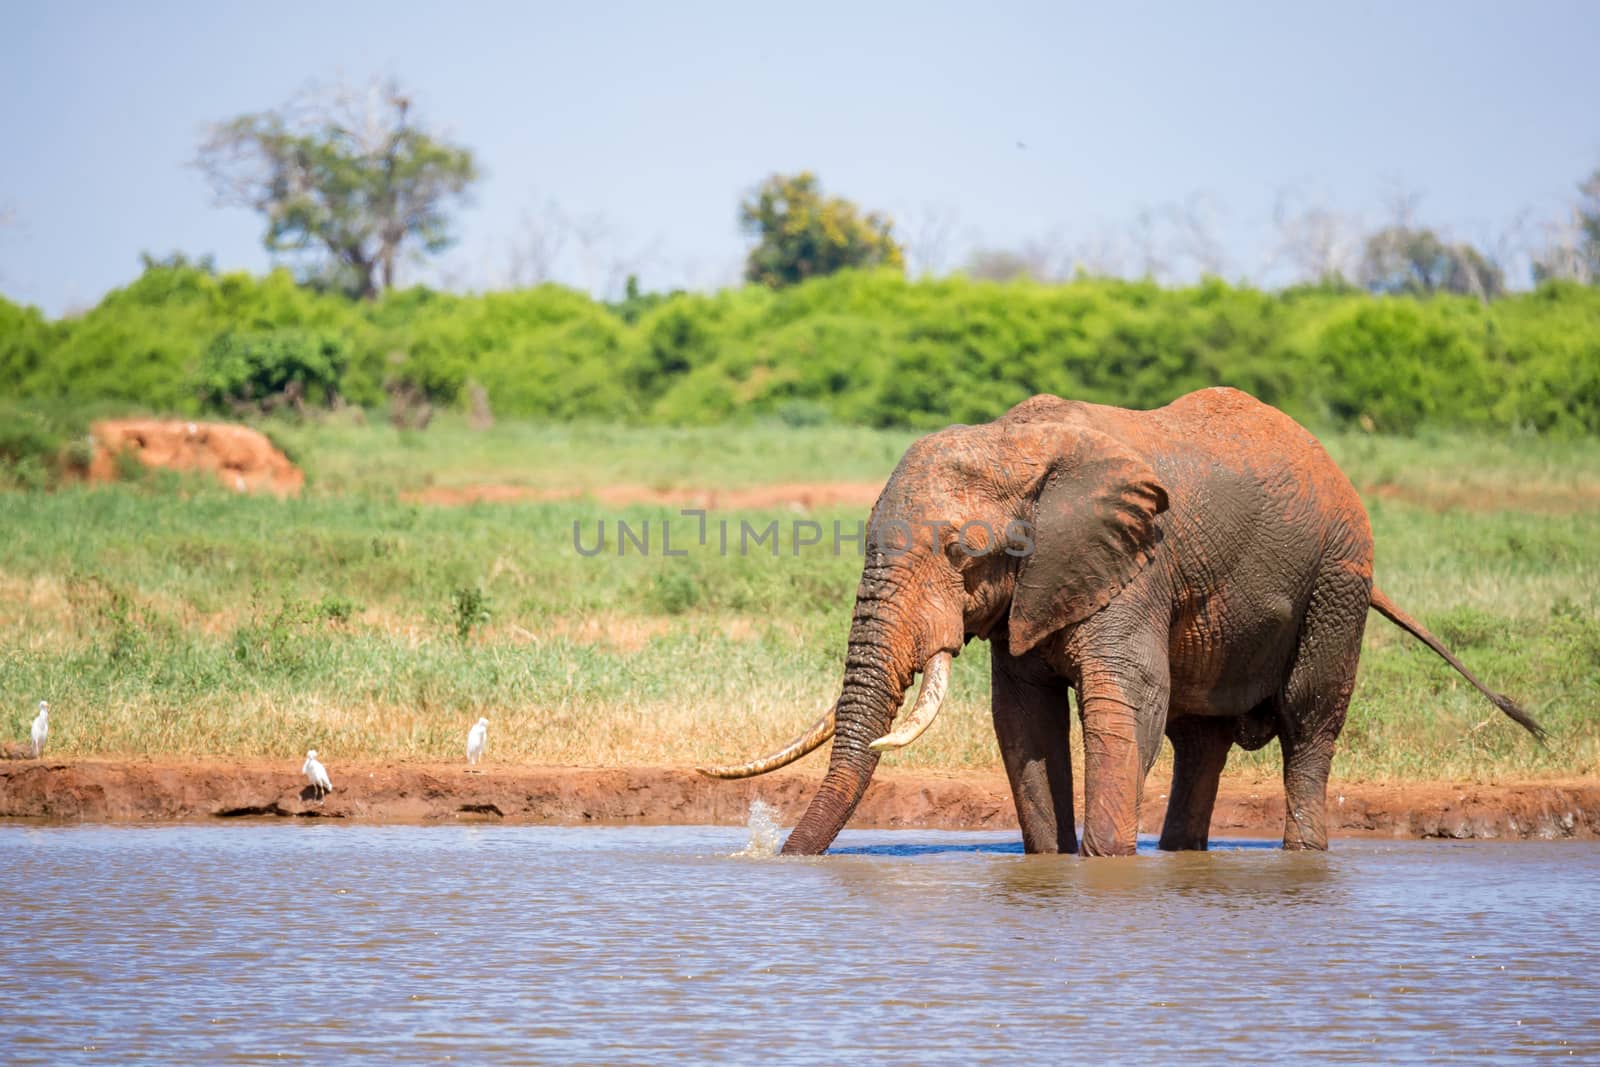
(233, 944)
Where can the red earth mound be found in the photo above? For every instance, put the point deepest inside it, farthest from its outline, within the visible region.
(240, 458)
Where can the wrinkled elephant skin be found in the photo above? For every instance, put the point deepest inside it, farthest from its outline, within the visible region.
(1203, 571)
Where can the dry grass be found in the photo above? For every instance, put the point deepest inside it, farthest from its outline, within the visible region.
(197, 623)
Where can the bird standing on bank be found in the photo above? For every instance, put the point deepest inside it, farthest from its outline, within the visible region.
(41, 728)
(317, 775)
(476, 738)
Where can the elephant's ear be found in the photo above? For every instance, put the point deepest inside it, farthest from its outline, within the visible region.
(1094, 528)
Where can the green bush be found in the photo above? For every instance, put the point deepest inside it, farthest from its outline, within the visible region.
(1400, 363)
(265, 370)
(40, 444)
(144, 344)
(854, 348)
(469, 608)
(25, 338)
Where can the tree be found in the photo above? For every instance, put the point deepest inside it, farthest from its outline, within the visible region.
(345, 174)
(1588, 212)
(536, 248)
(1402, 259)
(1315, 242)
(928, 239)
(801, 234)
(1001, 265)
(1573, 248)
(1196, 225)
(1045, 258)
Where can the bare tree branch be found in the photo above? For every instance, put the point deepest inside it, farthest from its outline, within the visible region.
(1195, 223)
(1572, 241)
(1145, 240)
(1509, 247)
(1314, 241)
(536, 249)
(1104, 254)
(928, 230)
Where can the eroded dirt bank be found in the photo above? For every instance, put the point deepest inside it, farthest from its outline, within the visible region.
(239, 457)
(103, 790)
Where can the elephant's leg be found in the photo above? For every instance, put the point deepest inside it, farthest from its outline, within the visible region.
(1123, 704)
(1200, 746)
(1031, 722)
(1315, 700)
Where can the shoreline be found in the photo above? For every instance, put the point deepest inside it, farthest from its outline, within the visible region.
(146, 790)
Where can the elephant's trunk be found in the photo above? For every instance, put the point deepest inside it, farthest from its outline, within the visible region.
(864, 713)
(884, 654)
(851, 767)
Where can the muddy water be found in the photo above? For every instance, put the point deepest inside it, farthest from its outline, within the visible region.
(485, 944)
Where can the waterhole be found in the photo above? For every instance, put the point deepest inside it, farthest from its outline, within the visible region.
(233, 943)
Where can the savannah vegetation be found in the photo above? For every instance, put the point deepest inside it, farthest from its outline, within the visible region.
(163, 615)
(868, 348)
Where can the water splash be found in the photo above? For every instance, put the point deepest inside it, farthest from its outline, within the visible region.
(765, 835)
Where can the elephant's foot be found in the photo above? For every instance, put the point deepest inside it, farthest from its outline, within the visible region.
(1305, 796)
(1111, 798)
(1184, 842)
(1030, 722)
(1200, 749)
(1303, 829)
(1124, 708)
(1092, 847)
(1316, 698)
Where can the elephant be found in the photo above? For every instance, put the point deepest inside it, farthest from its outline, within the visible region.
(1202, 570)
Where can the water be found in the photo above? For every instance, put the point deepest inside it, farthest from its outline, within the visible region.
(495, 944)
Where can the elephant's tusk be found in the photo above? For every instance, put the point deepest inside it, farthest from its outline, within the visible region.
(819, 732)
(935, 680)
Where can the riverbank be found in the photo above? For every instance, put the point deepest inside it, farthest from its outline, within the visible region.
(404, 792)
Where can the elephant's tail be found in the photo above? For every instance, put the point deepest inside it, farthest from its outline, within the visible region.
(1390, 611)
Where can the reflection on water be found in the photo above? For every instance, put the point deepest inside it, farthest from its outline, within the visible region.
(918, 847)
(539, 944)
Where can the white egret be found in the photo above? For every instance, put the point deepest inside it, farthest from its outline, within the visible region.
(317, 774)
(41, 728)
(475, 741)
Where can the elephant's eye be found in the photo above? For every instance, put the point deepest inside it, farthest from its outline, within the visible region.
(972, 541)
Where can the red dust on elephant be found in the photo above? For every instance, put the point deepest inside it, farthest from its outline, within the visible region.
(1203, 570)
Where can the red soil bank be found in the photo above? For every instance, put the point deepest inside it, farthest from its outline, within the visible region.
(141, 790)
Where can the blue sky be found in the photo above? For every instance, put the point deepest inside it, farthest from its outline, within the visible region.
(649, 121)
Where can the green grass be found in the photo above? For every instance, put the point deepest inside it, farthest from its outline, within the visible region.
(170, 618)
(340, 456)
